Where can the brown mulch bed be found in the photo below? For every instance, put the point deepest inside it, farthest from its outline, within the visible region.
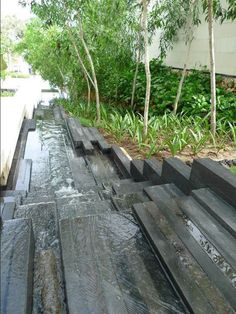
(133, 150)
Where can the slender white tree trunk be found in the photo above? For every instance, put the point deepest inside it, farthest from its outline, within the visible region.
(181, 82)
(63, 79)
(81, 35)
(89, 90)
(135, 79)
(147, 68)
(85, 71)
(212, 66)
(137, 66)
(189, 39)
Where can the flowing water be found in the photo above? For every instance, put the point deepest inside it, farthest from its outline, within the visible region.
(61, 179)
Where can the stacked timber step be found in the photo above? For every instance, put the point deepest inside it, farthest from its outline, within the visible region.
(17, 254)
(85, 137)
(190, 223)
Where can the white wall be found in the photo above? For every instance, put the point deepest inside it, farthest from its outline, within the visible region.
(13, 111)
(225, 48)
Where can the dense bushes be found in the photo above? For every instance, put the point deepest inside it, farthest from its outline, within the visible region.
(195, 97)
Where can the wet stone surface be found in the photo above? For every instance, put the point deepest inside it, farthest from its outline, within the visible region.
(90, 255)
(109, 266)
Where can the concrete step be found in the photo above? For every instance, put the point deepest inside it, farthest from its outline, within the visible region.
(195, 299)
(122, 161)
(126, 201)
(218, 208)
(177, 172)
(208, 173)
(136, 170)
(17, 254)
(127, 188)
(213, 231)
(24, 174)
(168, 203)
(109, 266)
(152, 169)
(84, 209)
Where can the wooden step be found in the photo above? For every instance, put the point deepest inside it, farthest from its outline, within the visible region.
(177, 172)
(24, 174)
(17, 255)
(208, 173)
(195, 300)
(136, 170)
(152, 170)
(127, 188)
(109, 266)
(217, 207)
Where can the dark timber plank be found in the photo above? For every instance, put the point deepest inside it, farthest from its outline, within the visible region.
(99, 139)
(63, 114)
(173, 214)
(87, 147)
(208, 173)
(84, 209)
(152, 170)
(23, 179)
(218, 208)
(121, 160)
(57, 113)
(189, 291)
(175, 171)
(8, 210)
(88, 134)
(125, 188)
(211, 228)
(17, 253)
(136, 169)
(75, 131)
(110, 268)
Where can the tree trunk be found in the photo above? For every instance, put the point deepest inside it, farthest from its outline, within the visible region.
(85, 72)
(137, 67)
(92, 69)
(212, 67)
(147, 68)
(63, 79)
(135, 80)
(89, 90)
(182, 78)
(189, 39)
